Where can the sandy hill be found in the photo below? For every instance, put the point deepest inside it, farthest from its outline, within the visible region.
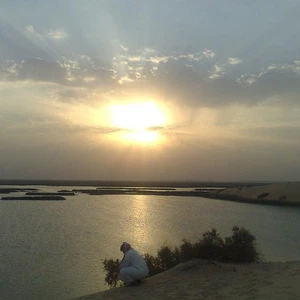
(198, 279)
(288, 193)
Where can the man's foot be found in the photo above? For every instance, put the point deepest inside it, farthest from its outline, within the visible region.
(128, 283)
(132, 283)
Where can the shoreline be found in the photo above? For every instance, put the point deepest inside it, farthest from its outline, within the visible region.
(279, 194)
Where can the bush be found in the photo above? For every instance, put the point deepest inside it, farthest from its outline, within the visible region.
(210, 246)
(168, 258)
(153, 264)
(239, 247)
(111, 267)
(263, 195)
(187, 251)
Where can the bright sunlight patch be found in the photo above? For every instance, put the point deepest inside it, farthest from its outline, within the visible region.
(138, 119)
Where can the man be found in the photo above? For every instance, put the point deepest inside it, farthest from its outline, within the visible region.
(133, 267)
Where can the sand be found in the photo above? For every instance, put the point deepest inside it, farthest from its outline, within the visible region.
(278, 193)
(199, 279)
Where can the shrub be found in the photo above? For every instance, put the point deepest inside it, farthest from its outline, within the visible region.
(210, 246)
(153, 264)
(187, 251)
(239, 247)
(111, 267)
(262, 195)
(167, 258)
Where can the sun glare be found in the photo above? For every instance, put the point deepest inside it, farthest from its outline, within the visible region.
(140, 120)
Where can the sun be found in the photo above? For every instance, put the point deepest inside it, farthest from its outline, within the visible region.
(140, 121)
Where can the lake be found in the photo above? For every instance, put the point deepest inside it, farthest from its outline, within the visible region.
(54, 249)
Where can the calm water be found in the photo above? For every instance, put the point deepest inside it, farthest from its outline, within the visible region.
(54, 250)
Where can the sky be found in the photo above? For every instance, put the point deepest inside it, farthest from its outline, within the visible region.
(150, 90)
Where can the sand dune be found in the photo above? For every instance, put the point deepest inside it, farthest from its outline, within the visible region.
(281, 193)
(198, 279)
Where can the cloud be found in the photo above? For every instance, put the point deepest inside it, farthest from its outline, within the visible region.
(158, 59)
(51, 34)
(208, 53)
(234, 60)
(195, 79)
(124, 48)
(37, 70)
(30, 28)
(69, 72)
(125, 79)
(57, 34)
(248, 79)
(217, 72)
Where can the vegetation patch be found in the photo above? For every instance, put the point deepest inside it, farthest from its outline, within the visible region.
(37, 198)
(239, 247)
(262, 195)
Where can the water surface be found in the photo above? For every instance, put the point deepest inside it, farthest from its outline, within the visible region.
(54, 249)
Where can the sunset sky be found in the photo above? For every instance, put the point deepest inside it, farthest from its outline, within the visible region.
(150, 90)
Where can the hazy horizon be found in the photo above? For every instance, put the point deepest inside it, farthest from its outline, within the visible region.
(150, 90)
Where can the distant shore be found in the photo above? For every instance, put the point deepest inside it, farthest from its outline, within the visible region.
(272, 194)
(282, 194)
(127, 183)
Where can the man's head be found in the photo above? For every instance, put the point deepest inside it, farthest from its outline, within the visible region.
(125, 247)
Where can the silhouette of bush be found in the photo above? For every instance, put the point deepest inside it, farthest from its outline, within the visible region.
(187, 250)
(168, 258)
(111, 267)
(262, 195)
(153, 264)
(210, 246)
(239, 247)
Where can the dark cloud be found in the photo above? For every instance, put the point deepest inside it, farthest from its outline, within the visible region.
(41, 70)
(14, 45)
(175, 79)
(191, 88)
(277, 82)
(98, 74)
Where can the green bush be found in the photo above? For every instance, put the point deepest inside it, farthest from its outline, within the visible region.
(239, 247)
(111, 267)
(153, 264)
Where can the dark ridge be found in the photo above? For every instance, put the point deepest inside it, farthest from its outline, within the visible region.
(143, 192)
(137, 188)
(38, 198)
(209, 190)
(13, 190)
(263, 195)
(51, 194)
(140, 192)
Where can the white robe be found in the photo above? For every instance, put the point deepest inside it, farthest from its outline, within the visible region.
(133, 267)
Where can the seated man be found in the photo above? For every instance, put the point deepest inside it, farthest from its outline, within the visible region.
(133, 267)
